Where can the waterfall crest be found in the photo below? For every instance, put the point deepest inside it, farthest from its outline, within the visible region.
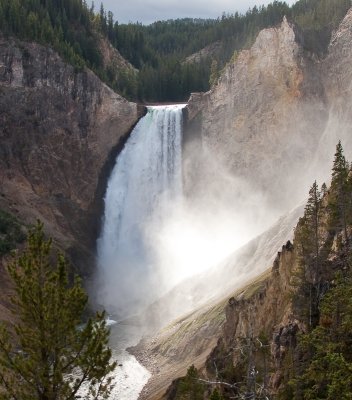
(147, 177)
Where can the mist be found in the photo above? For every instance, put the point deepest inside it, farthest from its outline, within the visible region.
(191, 222)
(199, 232)
(154, 236)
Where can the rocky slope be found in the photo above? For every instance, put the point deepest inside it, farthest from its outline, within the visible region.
(60, 132)
(211, 51)
(186, 341)
(265, 310)
(190, 339)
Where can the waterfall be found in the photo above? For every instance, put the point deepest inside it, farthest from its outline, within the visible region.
(146, 179)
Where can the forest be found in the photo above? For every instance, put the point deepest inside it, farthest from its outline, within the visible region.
(159, 51)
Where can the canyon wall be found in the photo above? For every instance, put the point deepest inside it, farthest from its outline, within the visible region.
(60, 132)
(274, 116)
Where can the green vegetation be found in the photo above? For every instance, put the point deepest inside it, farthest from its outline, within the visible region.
(11, 232)
(159, 50)
(72, 29)
(44, 354)
(66, 25)
(324, 290)
(326, 373)
(189, 387)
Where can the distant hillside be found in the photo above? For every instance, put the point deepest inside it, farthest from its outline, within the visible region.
(79, 35)
(160, 49)
(84, 36)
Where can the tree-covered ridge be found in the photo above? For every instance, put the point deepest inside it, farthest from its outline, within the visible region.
(64, 24)
(323, 299)
(158, 50)
(164, 45)
(72, 29)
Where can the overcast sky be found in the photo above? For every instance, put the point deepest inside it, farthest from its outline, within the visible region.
(147, 11)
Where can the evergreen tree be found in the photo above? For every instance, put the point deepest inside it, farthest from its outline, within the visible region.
(44, 355)
(328, 373)
(312, 216)
(214, 73)
(309, 244)
(216, 395)
(338, 200)
(189, 387)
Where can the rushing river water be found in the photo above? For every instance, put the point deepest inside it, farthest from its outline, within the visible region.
(130, 376)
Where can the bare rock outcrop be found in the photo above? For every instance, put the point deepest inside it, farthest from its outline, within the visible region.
(262, 315)
(60, 132)
(266, 113)
(337, 77)
(211, 51)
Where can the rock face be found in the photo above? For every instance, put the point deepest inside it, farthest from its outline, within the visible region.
(337, 77)
(60, 131)
(265, 308)
(266, 118)
(208, 52)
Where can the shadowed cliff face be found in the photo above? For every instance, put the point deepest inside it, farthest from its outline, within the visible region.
(60, 131)
(263, 119)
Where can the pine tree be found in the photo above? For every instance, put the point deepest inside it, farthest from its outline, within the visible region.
(214, 73)
(189, 387)
(311, 251)
(44, 355)
(327, 375)
(338, 200)
(216, 395)
(312, 216)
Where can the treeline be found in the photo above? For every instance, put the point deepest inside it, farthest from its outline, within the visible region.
(159, 50)
(321, 363)
(72, 29)
(64, 24)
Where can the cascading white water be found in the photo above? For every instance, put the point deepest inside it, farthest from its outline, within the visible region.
(147, 177)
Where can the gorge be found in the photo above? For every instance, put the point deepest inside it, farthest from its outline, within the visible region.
(199, 197)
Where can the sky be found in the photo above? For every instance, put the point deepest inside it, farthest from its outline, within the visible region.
(148, 11)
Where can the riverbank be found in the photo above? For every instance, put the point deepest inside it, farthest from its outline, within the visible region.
(168, 354)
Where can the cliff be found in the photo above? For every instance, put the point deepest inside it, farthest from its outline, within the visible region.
(205, 54)
(335, 69)
(262, 312)
(274, 104)
(60, 132)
